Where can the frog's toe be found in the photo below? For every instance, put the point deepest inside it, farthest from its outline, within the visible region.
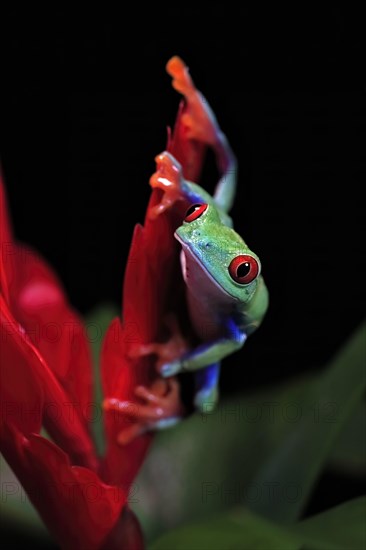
(206, 400)
(170, 369)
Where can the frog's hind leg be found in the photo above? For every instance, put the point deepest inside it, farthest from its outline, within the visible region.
(207, 393)
(156, 408)
(201, 125)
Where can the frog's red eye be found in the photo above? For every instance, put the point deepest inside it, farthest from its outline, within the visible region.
(244, 269)
(195, 211)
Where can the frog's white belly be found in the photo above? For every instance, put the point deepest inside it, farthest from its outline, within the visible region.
(208, 303)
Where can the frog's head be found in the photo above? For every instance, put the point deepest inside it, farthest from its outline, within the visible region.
(219, 251)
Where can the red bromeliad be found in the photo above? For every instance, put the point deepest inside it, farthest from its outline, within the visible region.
(47, 382)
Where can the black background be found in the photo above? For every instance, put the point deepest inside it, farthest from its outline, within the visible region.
(85, 112)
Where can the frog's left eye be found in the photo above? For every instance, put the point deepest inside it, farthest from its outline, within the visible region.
(195, 211)
(244, 269)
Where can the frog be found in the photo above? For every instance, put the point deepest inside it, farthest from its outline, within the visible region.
(225, 292)
(226, 295)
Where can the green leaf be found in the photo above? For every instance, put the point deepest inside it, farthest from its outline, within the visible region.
(97, 322)
(15, 504)
(210, 463)
(206, 464)
(239, 530)
(336, 529)
(340, 528)
(349, 453)
(16, 507)
(299, 458)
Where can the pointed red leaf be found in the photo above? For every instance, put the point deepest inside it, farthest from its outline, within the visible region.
(37, 300)
(75, 504)
(59, 413)
(22, 396)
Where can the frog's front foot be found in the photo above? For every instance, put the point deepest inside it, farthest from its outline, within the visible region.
(205, 401)
(169, 178)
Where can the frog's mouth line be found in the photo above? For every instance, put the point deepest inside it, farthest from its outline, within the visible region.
(186, 250)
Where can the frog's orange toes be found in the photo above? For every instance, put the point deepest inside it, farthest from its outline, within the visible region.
(137, 412)
(163, 409)
(198, 117)
(168, 172)
(182, 80)
(168, 177)
(123, 407)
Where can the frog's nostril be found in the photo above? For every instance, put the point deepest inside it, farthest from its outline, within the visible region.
(207, 245)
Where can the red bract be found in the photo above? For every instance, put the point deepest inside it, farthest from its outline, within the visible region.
(46, 376)
(60, 477)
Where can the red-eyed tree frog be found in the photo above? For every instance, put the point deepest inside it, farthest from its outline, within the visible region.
(226, 295)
